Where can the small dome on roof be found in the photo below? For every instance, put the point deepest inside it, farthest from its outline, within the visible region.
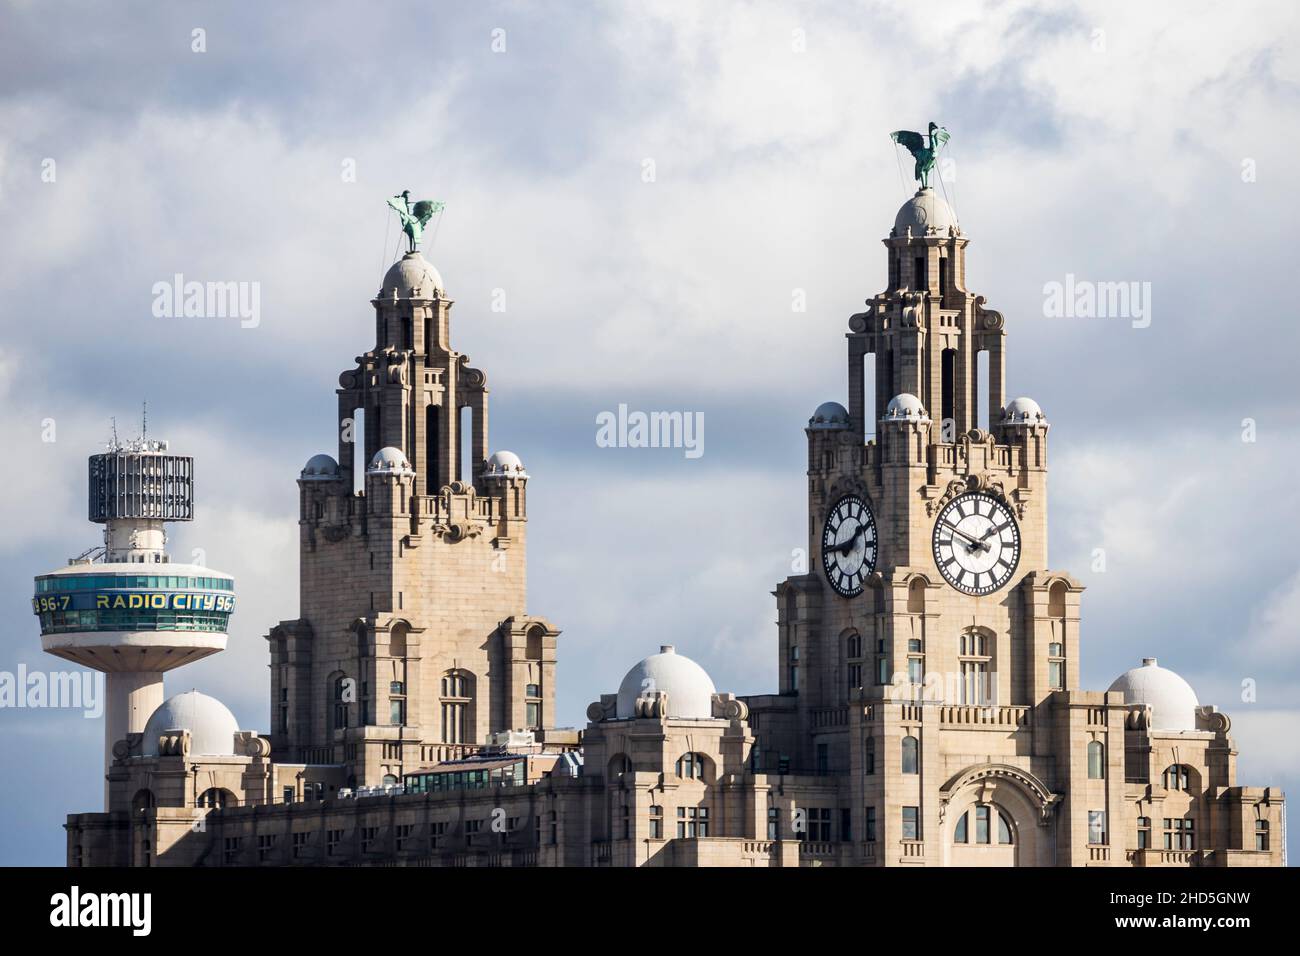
(504, 464)
(412, 277)
(905, 408)
(829, 415)
(320, 468)
(688, 686)
(389, 461)
(925, 214)
(211, 725)
(1023, 411)
(1172, 701)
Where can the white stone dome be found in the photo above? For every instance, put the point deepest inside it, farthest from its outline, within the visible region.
(320, 468)
(926, 214)
(829, 415)
(505, 464)
(905, 408)
(689, 688)
(412, 276)
(389, 461)
(1023, 411)
(211, 725)
(1172, 701)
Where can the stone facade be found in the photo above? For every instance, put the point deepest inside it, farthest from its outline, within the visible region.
(928, 709)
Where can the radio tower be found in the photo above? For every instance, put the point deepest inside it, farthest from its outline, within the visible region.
(125, 609)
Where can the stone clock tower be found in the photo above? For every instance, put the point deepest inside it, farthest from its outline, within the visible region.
(927, 531)
(413, 643)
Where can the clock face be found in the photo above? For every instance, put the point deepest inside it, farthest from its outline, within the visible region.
(976, 543)
(849, 545)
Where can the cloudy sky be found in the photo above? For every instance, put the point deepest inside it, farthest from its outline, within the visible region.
(1112, 142)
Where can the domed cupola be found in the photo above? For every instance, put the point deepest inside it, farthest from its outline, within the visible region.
(684, 684)
(504, 464)
(830, 416)
(389, 461)
(320, 468)
(211, 725)
(925, 214)
(905, 408)
(1171, 699)
(1023, 411)
(412, 277)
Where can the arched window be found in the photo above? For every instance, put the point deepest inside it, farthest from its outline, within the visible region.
(390, 780)
(457, 707)
(916, 597)
(619, 764)
(216, 798)
(910, 749)
(974, 664)
(853, 646)
(691, 766)
(986, 818)
(1177, 777)
(143, 800)
(1096, 760)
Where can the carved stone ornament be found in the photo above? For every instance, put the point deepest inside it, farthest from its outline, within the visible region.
(458, 506)
(986, 778)
(987, 318)
(913, 312)
(470, 377)
(978, 482)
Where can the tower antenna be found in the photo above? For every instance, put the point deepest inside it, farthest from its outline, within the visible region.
(114, 421)
(144, 420)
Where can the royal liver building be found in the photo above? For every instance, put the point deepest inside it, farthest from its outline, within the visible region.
(928, 709)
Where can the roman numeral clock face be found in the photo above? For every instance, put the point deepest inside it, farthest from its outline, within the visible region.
(976, 543)
(849, 545)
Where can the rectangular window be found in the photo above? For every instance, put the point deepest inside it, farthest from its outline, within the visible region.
(533, 714)
(656, 822)
(692, 822)
(982, 824)
(823, 759)
(1056, 675)
(774, 823)
(915, 670)
(1097, 827)
(1096, 760)
(1261, 835)
(846, 825)
(869, 825)
(288, 794)
(1144, 833)
(911, 823)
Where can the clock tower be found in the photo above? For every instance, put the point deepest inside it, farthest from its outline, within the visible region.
(930, 601)
(413, 643)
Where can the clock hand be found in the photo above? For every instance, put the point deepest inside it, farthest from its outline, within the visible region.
(846, 545)
(974, 542)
